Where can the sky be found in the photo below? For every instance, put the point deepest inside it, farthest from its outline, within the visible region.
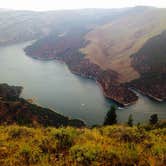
(42, 5)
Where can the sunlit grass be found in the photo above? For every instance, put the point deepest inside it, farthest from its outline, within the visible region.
(110, 145)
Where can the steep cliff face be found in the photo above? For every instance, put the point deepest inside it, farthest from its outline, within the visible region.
(15, 110)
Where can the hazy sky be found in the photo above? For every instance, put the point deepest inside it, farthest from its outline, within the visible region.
(76, 4)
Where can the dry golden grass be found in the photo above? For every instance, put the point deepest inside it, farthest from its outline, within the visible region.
(111, 45)
(102, 146)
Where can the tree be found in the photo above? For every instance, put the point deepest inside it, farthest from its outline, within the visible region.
(153, 119)
(130, 120)
(110, 118)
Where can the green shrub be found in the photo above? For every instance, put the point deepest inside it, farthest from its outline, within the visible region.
(65, 138)
(85, 154)
(30, 155)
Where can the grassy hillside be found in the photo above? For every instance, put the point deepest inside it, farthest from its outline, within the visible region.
(103, 146)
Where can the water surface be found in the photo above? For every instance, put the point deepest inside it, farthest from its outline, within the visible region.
(52, 85)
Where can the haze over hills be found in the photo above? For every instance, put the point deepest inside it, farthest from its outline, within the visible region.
(18, 26)
(123, 50)
(120, 48)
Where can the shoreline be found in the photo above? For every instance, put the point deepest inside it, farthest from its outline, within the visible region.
(101, 88)
(108, 97)
(156, 99)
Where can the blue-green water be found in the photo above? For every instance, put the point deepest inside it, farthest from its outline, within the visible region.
(52, 85)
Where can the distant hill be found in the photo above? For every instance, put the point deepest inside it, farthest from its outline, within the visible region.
(19, 26)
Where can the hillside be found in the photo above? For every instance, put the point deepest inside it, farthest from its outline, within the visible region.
(153, 69)
(109, 146)
(16, 110)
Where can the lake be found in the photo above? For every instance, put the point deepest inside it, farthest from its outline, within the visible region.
(52, 85)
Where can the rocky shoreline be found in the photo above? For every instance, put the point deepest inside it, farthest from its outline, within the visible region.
(149, 95)
(106, 93)
(153, 87)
